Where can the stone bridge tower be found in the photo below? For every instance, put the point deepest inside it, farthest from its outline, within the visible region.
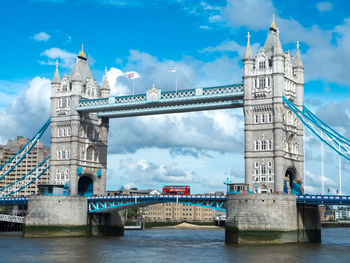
(273, 135)
(78, 141)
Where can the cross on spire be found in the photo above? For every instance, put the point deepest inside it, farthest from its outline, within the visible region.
(298, 45)
(248, 36)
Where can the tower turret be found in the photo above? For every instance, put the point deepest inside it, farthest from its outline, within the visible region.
(105, 90)
(298, 67)
(56, 78)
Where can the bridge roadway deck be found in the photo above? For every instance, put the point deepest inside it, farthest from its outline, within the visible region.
(157, 102)
(121, 202)
(101, 203)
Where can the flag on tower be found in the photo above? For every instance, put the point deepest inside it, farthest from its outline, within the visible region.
(173, 70)
(130, 75)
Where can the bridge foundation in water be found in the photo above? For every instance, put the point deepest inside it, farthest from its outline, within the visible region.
(52, 216)
(270, 218)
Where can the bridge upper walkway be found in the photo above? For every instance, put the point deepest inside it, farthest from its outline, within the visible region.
(157, 102)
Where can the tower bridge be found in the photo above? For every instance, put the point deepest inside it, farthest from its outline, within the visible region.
(272, 98)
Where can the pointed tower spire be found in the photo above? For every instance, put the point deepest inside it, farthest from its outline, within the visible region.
(56, 78)
(273, 24)
(278, 50)
(248, 54)
(297, 60)
(82, 54)
(105, 83)
(105, 89)
(76, 74)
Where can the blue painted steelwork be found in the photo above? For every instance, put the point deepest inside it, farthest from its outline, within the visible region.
(326, 134)
(22, 153)
(230, 96)
(121, 202)
(13, 200)
(324, 199)
(166, 109)
(29, 183)
(25, 176)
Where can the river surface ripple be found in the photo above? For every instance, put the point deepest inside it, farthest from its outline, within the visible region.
(171, 246)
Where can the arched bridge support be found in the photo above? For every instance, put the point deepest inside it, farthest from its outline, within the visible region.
(52, 216)
(270, 218)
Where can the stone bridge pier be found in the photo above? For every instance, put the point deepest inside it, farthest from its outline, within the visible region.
(270, 218)
(52, 216)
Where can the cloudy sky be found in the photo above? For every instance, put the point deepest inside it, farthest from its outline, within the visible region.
(205, 41)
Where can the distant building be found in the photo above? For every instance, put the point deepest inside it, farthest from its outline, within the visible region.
(342, 213)
(169, 212)
(35, 157)
(173, 212)
(326, 214)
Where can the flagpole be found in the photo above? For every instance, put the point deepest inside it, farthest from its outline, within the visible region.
(176, 81)
(133, 88)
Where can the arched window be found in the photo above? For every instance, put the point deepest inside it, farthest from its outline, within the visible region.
(90, 153)
(262, 64)
(270, 117)
(90, 132)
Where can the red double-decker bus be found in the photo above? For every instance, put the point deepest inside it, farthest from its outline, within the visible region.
(176, 190)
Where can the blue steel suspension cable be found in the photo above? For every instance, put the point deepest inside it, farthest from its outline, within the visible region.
(37, 177)
(300, 115)
(341, 137)
(23, 177)
(34, 139)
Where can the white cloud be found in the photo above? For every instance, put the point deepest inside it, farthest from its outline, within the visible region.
(27, 112)
(254, 14)
(316, 180)
(37, 96)
(230, 46)
(324, 6)
(66, 58)
(205, 27)
(42, 36)
(147, 173)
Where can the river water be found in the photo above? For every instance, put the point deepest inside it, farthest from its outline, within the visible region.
(170, 246)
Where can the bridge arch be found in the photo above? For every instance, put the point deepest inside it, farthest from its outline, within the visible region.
(85, 185)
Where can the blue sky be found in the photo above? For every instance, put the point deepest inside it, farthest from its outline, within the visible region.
(205, 40)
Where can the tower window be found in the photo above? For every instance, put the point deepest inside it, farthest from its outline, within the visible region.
(268, 82)
(262, 82)
(264, 145)
(262, 118)
(256, 118)
(270, 117)
(257, 145)
(262, 65)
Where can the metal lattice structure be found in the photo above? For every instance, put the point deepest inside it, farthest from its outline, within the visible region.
(13, 200)
(157, 102)
(11, 218)
(326, 134)
(105, 203)
(26, 180)
(324, 199)
(11, 164)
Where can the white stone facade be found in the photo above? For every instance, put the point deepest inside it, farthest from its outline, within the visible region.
(78, 141)
(273, 134)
